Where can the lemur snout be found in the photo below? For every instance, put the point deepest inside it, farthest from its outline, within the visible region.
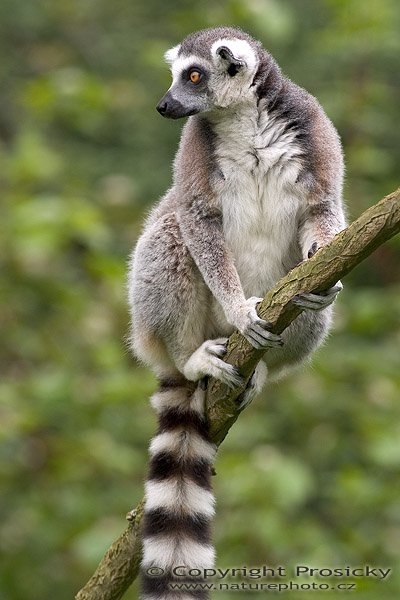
(174, 109)
(170, 108)
(162, 107)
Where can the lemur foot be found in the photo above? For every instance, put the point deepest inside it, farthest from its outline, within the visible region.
(318, 301)
(206, 361)
(254, 386)
(257, 331)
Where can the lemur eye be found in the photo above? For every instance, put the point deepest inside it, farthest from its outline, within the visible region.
(195, 76)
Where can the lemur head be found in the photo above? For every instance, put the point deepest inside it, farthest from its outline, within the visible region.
(211, 69)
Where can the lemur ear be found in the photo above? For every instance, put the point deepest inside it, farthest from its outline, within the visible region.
(233, 64)
(234, 56)
(172, 54)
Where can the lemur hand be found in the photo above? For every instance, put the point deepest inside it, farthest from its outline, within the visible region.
(318, 301)
(256, 330)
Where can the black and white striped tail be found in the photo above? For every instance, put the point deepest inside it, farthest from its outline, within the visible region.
(179, 503)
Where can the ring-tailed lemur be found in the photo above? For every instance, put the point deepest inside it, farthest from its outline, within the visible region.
(257, 188)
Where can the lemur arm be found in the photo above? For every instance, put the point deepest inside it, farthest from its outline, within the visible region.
(200, 219)
(319, 224)
(322, 216)
(202, 234)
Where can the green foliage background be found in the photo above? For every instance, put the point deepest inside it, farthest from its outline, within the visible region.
(310, 474)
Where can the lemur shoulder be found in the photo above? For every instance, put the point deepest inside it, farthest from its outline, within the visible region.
(257, 188)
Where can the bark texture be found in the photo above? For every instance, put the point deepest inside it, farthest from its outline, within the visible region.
(120, 565)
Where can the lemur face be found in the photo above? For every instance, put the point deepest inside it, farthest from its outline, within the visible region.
(189, 92)
(210, 71)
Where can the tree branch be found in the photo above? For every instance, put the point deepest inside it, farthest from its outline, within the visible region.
(120, 565)
(331, 263)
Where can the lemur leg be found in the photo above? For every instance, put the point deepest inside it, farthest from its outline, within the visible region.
(179, 321)
(194, 355)
(301, 339)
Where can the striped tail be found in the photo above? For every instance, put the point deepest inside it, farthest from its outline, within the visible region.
(179, 503)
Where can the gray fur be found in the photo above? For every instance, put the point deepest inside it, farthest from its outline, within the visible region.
(257, 185)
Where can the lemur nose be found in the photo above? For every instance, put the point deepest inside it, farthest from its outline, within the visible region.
(162, 107)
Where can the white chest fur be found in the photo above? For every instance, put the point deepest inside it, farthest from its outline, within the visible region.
(258, 195)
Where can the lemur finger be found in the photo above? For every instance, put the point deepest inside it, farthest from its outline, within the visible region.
(231, 377)
(203, 383)
(264, 324)
(217, 350)
(256, 340)
(245, 398)
(226, 373)
(260, 341)
(314, 301)
(307, 305)
(252, 340)
(265, 333)
(313, 298)
(323, 297)
(218, 347)
(333, 290)
(312, 250)
(329, 298)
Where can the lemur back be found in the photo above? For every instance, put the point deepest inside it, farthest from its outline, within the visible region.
(257, 188)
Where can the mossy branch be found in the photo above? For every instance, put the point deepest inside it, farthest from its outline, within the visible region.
(120, 565)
